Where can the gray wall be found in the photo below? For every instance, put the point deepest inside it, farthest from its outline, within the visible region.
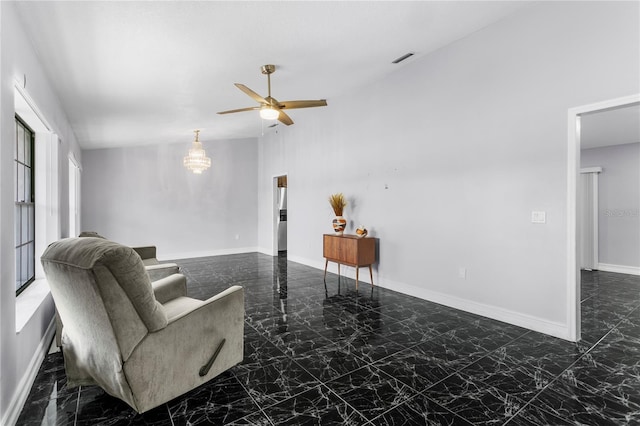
(445, 160)
(144, 195)
(619, 202)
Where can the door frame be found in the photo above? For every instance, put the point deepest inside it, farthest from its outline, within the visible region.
(275, 211)
(573, 170)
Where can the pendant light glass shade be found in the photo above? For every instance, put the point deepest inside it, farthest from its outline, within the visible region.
(197, 160)
(269, 113)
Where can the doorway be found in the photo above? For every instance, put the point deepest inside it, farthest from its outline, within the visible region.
(280, 214)
(588, 218)
(574, 247)
(74, 196)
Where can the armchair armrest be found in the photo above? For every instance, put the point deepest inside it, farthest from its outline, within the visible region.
(146, 252)
(176, 354)
(161, 270)
(219, 299)
(170, 288)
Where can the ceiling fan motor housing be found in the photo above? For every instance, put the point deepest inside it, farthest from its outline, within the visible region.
(268, 69)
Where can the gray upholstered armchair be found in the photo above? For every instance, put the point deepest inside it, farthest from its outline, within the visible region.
(145, 345)
(155, 269)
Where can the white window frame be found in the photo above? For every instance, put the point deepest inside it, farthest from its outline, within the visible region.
(47, 201)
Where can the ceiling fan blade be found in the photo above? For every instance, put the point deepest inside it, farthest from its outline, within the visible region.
(302, 104)
(240, 110)
(251, 93)
(285, 119)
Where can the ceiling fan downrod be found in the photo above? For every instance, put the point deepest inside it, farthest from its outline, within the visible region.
(268, 70)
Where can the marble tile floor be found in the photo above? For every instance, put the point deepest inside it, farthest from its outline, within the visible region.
(334, 356)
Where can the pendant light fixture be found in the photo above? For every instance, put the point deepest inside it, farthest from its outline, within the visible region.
(197, 160)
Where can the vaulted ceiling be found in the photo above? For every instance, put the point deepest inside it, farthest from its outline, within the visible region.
(137, 73)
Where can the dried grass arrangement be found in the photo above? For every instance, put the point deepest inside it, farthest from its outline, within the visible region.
(338, 203)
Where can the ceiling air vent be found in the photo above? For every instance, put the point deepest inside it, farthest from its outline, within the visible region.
(402, 58)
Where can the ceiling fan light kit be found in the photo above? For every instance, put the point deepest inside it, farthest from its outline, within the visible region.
(269, 113)
(270, 108)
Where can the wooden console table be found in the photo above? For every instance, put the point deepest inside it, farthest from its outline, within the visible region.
(349, 250)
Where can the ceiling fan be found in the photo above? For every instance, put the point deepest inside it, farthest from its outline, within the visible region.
(270, 108)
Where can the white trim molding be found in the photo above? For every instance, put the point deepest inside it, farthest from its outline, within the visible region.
(207, 253)
(28, 110)
(28, 378)
(591, 170)
(551, 328)
(620, 269)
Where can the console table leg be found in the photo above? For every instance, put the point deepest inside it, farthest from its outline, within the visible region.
(357, 276)
(326, 263)
(371, 275)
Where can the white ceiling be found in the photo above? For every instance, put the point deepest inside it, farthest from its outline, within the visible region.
(136, 73)
(617, 126)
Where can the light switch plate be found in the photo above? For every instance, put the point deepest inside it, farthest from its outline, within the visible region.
(462, 273)
(538, 217)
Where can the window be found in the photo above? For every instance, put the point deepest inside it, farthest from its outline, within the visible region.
(24, 205)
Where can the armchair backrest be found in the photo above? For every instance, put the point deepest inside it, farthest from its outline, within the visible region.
(103, 296)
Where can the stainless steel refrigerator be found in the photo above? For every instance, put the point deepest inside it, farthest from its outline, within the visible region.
(282, 219)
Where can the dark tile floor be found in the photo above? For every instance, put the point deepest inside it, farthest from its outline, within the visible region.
(334, 356)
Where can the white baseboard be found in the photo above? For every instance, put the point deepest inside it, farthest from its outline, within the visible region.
(620, 269)
(207, 253)
(28, 378)
(264, 250)
(541, 325)
(530, 322)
